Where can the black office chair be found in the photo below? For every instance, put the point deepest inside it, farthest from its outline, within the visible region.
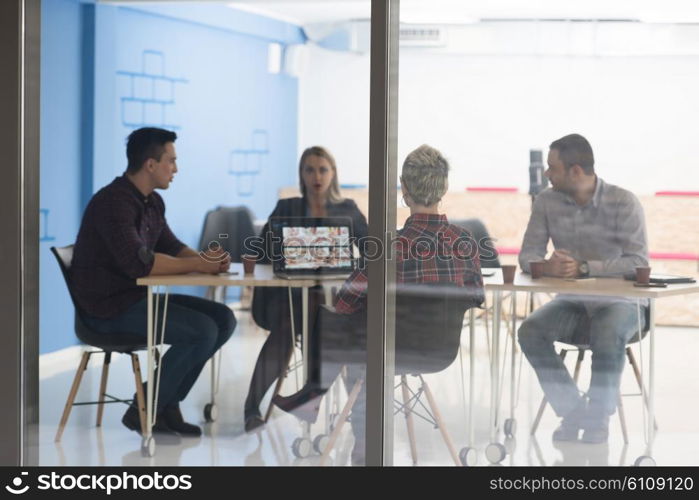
(486, 245)
(428, 328)
(229, 226)
(125, 343)
(582, 349)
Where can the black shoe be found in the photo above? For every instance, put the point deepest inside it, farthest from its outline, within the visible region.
(596, 431)
(304, 404)
(173, 418)
(571, 424)
(596, 424)
(132, 421)
(253, 422)
(566, 431)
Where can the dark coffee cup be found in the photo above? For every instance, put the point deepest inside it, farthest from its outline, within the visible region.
(643, 275)
(249, 263)
(508, 273)
(536, 268)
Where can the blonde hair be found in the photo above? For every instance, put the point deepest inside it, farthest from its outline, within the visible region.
(334, 189)
(425, 175)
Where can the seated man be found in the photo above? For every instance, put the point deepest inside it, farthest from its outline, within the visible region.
(429, 250)
(597, 229)
(124, 236)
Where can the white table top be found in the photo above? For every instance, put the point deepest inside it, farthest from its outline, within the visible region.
(617, 287)
(263, 276)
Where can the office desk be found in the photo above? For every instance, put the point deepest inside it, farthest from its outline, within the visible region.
(612, 287)
(263, 276)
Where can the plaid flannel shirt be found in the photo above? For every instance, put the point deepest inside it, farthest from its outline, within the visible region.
(120, 232)
(428, 250)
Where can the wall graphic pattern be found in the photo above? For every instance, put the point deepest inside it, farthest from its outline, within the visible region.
(150, 94)
(44, 225)
(246, 163)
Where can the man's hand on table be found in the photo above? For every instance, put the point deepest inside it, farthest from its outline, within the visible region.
(561, 264)
(214, 261)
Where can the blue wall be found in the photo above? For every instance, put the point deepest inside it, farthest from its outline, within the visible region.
(61, 75)
(201, 71)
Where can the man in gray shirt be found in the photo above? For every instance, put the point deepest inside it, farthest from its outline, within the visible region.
(597, 229)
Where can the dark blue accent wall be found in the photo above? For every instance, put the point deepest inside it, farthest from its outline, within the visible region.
(200, 70)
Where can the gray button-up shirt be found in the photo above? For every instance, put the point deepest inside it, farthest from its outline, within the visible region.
(609, 232)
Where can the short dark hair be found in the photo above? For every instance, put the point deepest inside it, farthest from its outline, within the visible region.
(574, 149)
(145, 143)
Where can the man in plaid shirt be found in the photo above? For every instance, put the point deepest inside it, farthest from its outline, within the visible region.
(124, 236)
(428, 251)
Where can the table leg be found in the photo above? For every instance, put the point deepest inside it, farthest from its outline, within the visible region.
(651, 379)
(647, 458)
(304, 331)
(472, 373)
(304, 336)
(513, 367)
(495, 366)
(495, 452)
(147, 444)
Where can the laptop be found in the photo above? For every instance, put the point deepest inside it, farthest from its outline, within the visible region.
(312, 247)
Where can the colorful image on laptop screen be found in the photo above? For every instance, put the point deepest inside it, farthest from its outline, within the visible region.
(321, 247)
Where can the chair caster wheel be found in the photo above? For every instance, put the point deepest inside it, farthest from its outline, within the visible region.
(301, 447)
(645, 461)
(148, 447)
(320, 442)
(495, 453)
(510, 427)
(210, 412)
(468, 456)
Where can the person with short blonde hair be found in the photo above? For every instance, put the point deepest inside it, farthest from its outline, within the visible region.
(425, 176)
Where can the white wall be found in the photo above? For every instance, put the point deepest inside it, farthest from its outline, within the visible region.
(486, 108)
(334, 109)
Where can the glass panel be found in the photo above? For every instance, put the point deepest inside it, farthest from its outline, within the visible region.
(491, 86)
(270, 104)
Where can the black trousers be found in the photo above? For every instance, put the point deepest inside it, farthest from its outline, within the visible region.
(277, 349)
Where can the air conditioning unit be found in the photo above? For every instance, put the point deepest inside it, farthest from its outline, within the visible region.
(422, 35)
(355, 35)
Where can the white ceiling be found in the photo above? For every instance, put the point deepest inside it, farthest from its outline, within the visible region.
(467, 11)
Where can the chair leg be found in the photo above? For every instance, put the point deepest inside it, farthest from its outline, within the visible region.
(409, 418)
(440, 422)
(103, 386)
(341, 421)
(140, 396)
(639, 380)
(542, 406)
(71, 395)
(622, 420)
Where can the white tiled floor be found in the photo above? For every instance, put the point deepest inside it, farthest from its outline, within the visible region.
(225, 443)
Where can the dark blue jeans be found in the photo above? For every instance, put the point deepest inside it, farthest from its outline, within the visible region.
(606, 329)
(196, 328)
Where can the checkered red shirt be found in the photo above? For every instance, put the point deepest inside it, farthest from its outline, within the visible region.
(428, 250)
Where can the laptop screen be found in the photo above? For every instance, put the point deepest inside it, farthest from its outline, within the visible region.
(313, 244)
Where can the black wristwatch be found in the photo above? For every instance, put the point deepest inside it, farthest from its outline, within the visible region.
(583, 269)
